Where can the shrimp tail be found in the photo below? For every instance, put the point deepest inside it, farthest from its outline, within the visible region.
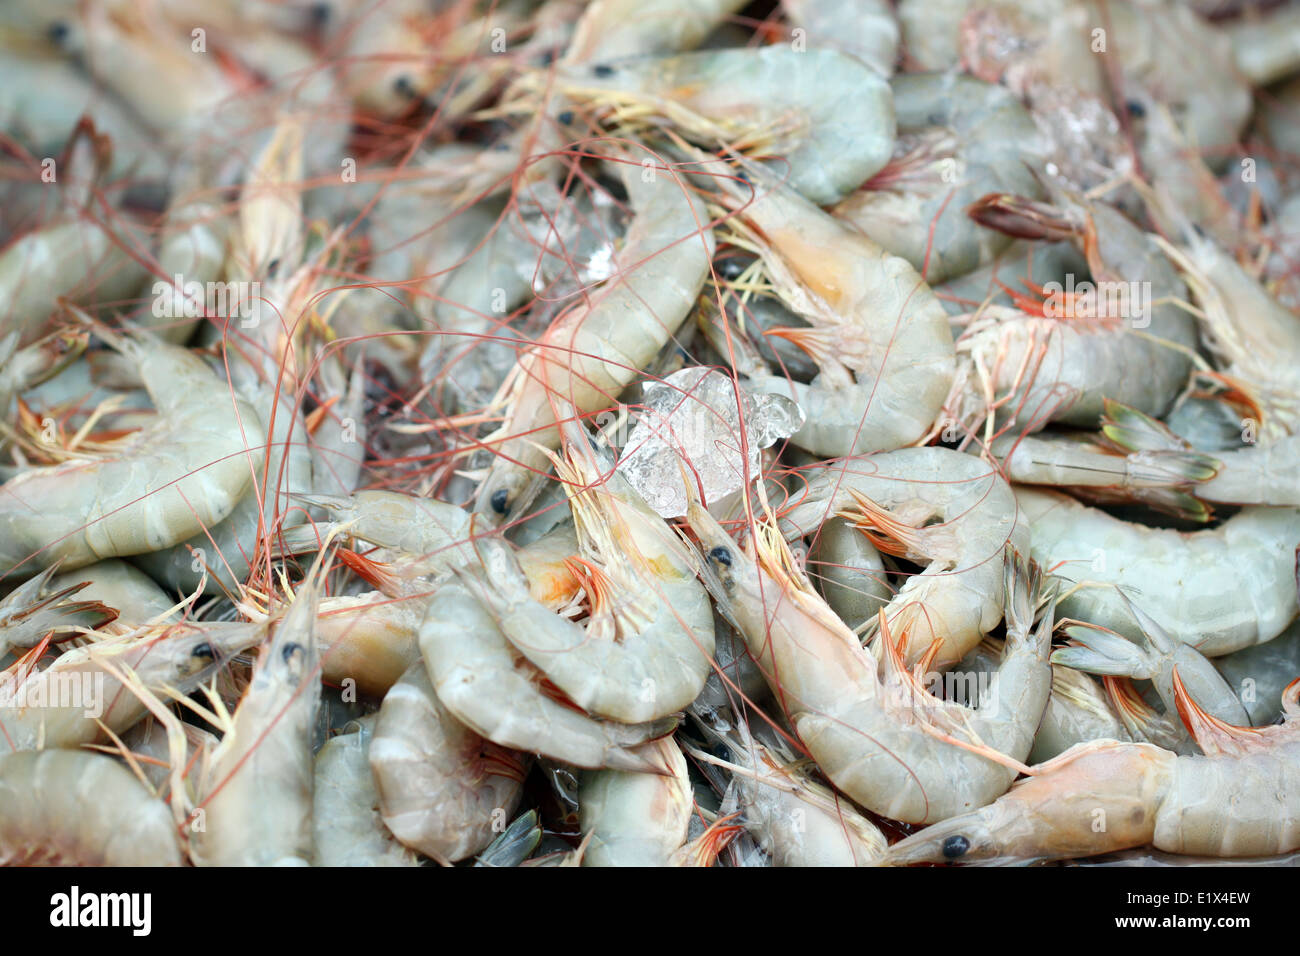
(1100, 650)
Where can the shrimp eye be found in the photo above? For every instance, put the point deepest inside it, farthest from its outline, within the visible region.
(565, 118)
(403, 86)
(955, 846)
(721, 555)
(58, 32)
(1135, 109)
(272, 268)
(290, 652)
(602, 69)
(204, 650)
(500, 501)
(320, 13)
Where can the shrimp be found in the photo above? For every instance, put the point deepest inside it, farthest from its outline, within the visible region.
(1256, 339)
(1100, 650)
(41, 606)
(1259, 673)
(925, 504)
(1267, 48)
(879, 335)
(369, 639)
(876, 732)
(1120, 336)
(849, 571)
(74, 808)
(797, 821)
(614, 29)
(257, 792)
(591, 352)
(129, 592)
(338, 440)
(1140, 459)
(193, 462)
(644, 651)
(67, 703)
(1236, 583)
(828, 115)
(959, 139)
(348, 830)
(1239, 800)
(866, 29)
(21, 369)
(476, 676)
(441, 786)
(637, 819)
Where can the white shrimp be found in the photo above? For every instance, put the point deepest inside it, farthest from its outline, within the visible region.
(877, 733)
(592, 351)
(441, 786)
(959, 139)
(1239, 800)
(930, 505)
(43, 606)
(1119, 336)
(867, 29)
(637, 819)
(825, 113)
(185, 472)
(75, 808)
(82, 691)
(347, 826)
(1235, 583)
(257, 791)
(879, 335)
(644, 651)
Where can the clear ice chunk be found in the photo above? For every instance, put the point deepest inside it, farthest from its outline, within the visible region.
(693, 419)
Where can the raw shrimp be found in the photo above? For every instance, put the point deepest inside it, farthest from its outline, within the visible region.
(1267, 47)
(591, 352)
(1256, 339)
(637, 819)
(257, 803)
(66, 704)
(879, 335)
(1120, 336)
(369, 639)
(847, 568)
(875, 731)
(959, 139)
(1142, 460)
(118, 585)
(1262, 672)
(797, 821)
(345, 816)
(338, 440)
(41, 606)
(825, 113)
(644, 651)
(864, 28)
(442, 787)
(1238, 800)
(74, 808)
(614, 29)
(1235, 584)
(183, 473)
(21, 369)
(477, 677)
(930, 505)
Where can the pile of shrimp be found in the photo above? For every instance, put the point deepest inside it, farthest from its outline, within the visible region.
(649, 432)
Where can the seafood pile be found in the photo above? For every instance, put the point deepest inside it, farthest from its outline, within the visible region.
(649, 432)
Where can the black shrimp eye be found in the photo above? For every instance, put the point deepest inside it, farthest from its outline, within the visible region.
(403, 86)
(565, 118)
(955, 846)
(500, 501)
(1135, 109)
(272, 268)
(58, 32)
(602, 69)
(320, 13)
(290, 652)
(721, 555)
(204, 650)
